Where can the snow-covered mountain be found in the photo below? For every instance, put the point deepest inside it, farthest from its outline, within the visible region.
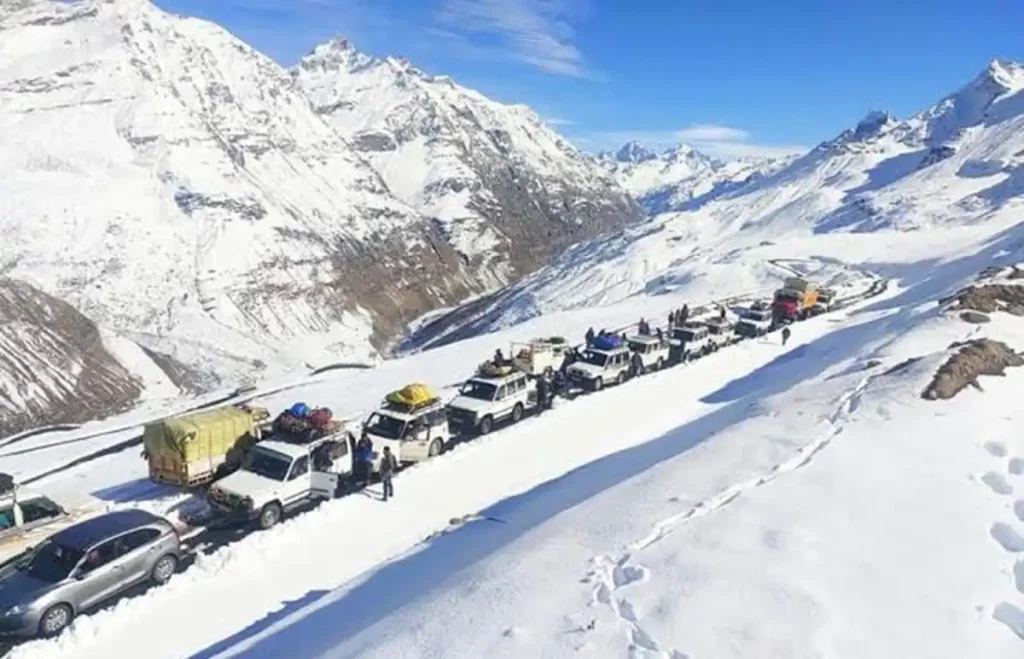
(681, 177)
(956, 167)
(505, 190)
(180, 190)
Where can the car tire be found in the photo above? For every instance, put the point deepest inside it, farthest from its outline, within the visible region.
(620, 378)
(436, 448)
(270, 515)
(163, 569)
(597, 384)
(517, 413)
(660, 364)
(55, 620)
(485, 426)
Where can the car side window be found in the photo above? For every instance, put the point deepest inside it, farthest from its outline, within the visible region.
(502, 392)
(99, 556)
(37, 509)
(299, 468)
(131, 541)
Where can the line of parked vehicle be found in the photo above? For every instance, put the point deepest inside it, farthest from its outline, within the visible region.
(254, 470)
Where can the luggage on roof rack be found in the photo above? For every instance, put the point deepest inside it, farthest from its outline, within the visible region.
(411, 396)
(607, 342)
(492, 370)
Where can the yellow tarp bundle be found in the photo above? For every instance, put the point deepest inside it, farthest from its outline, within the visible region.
(412, 395)
(200, 441)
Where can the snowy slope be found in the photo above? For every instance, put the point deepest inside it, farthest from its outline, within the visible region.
(504, 189)
(803, 479)
(681, 177)
(885, 194)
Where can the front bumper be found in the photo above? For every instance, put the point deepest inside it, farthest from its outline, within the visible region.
(230, 513)
(460, 420)
(23, 625)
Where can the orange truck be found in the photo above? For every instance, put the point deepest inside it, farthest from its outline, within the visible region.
(794, 300)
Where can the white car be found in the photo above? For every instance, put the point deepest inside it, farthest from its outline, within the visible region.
(653, 351)
(26, 517)
(754, 322)
(597, 368)
(721, 333)
(689, 342)
(413, 435)
(277, 477)
(484, 401)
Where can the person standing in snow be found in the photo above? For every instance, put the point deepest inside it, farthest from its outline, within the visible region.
(364, 456)
(636, 364)
(589, 337)
(388, 465)
(721, 312)
(671, 319)
(543, 394)
(785, 335)
(684, 314)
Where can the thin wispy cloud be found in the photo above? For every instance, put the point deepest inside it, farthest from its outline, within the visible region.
(536, 32)
(724, 142)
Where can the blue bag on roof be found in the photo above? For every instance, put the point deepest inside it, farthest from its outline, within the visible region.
(300, 410)
(607, 342)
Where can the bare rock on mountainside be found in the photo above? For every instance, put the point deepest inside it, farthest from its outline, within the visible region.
(176, 186)
(989, 298)
(54, 367)
(501, 187)
(973, 359)
(975, 317)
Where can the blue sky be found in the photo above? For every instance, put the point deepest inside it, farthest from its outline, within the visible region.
(732, 77)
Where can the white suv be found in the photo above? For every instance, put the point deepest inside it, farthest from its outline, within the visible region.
(754, 322)
(596, 368)
(483, 401)
(689, 342)
(653, 351)
(721, 333)
(413, 435)
(277, 477)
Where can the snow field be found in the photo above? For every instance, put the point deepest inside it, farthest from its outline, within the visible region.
(230, 582)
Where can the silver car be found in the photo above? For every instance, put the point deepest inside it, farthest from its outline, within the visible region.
(82, 566)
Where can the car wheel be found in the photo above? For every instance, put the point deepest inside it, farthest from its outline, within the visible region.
(596, 384)
(620, 378)
(660, 364)
(270, 515)
(435, 449)
(517, 413)
(55, 620)
(485, 426)
(163, 569)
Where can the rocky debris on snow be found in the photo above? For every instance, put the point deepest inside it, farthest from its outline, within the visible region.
(989, 298)
(973, 359)
(54, 367)
(975, 317)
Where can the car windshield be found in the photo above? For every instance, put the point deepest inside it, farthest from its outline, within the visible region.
(637, 346)
(684, 335)
(479, 390)
(267, 463)
(385, 426)
(52, 562)
(595, 358)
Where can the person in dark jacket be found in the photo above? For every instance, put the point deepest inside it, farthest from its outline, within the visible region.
(721, 313)
(364, 457)
(671, 319)
(785, 335)
(684, 314)
(388, 465)
(636, 364)
(589, 337)
(661, 334)
(499, 357)
(543, 394)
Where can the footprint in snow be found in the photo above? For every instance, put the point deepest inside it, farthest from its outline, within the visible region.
(1018, 509)
(1016, 466)
(1018, 576)
(623, 575)
(996, 448)
(997, 483)
(1011, 616)
(1007, 537)
(641, 639)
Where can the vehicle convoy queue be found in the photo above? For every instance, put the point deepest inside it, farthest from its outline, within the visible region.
(254, 470)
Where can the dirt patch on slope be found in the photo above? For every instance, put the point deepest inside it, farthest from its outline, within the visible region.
(989, 298)
(975, 358)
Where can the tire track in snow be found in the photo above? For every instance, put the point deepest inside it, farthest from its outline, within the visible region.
(615, 573)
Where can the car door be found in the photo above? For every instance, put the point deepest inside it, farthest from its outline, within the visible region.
(99, 575)
(136, 552)
(296, 487)
(323, 484)
(416, 446)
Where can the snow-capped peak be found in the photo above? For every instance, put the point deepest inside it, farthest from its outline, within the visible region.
(873, 123)
(336, 54)
(1002, 74)
(634, 152)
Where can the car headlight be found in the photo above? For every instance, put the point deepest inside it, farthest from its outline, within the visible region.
(16, 610)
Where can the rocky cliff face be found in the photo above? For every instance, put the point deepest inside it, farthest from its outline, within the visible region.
(176, 186)
(503, 189)
(54, 366)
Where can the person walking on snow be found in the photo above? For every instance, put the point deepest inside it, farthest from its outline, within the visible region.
(543, 394)
(388, 465)
(785, 335)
